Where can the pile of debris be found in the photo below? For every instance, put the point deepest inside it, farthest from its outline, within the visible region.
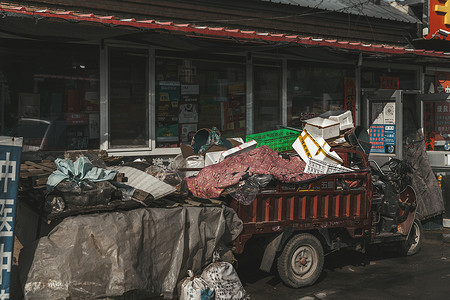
(154, 256)
(287, 155)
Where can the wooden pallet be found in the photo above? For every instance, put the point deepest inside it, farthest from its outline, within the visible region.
(35, 174)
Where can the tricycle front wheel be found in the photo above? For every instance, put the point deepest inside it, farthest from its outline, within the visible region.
(301, 262)
(413, 243)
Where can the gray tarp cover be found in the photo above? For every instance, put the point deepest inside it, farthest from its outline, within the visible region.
(429, 195)
(109, 254)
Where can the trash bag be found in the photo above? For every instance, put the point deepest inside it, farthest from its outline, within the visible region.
(86, 193)
(226, 283)
(165, 174)
(54, 204)
(194, 162)
(245, 191)
(195, 288)
(126, 190)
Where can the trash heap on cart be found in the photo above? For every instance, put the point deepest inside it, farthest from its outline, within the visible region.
(134, 226)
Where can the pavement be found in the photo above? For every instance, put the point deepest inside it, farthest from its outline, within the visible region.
(380, 273)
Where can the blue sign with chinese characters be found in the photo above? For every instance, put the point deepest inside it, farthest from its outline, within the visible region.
(382, 138)
(389, 138)
(10, 152)
(376, 135)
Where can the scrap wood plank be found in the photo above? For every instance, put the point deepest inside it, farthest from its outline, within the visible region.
(142, 195)
(31, 173)
(40, 181)
(39, 166)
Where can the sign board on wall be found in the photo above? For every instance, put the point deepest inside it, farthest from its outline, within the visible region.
(350, 95)
(439, 19)
(10, 152)
(391, 83)
(442, 82)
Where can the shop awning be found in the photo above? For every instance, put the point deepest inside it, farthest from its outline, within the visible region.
(35, 23)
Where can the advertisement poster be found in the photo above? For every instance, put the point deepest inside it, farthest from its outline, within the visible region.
(389, 138)
(187, 132)
(167, 98)
(376, 134)
(190, 89)
(10, 152)
(188, 113)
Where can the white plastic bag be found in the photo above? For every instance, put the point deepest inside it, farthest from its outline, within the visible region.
(192, 162)
(225, 281)
(195, 288)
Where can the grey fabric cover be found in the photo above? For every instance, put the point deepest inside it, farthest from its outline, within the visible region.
(147, 250)
(429, 195)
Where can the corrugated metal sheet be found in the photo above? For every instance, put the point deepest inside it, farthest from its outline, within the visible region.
(235, 35)
(146, 182)
(384, 10)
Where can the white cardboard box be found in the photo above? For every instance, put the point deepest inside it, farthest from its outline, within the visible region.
(325, 128)
(345, 120)
(310, 146)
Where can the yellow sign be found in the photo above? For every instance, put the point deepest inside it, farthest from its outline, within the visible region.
(444, 9)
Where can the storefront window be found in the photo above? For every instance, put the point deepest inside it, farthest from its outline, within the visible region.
(315, 89)
(50, 95)
(267, 95)
(436, 114)
(437, 125)
(197, 93)
(128, 101)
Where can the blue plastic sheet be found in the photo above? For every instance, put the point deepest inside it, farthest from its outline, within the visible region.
(81, 170)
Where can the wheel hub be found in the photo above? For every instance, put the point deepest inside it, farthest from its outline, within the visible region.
(303, 261)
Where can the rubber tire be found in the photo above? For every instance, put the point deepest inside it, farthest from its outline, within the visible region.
(314, 250)
(414, 242)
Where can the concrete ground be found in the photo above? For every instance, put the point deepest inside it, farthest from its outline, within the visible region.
(380, 273)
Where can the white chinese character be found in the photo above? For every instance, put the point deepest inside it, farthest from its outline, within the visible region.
(6, 217)
(445, 108)
(4, 295)
(4, 265)
(438, 108)
(5, 171)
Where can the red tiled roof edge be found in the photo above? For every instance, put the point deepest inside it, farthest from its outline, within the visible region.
(223, 32)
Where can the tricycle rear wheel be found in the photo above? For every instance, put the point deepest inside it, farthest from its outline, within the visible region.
(301, 261)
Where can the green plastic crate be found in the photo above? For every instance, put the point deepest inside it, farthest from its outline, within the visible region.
(278, 140)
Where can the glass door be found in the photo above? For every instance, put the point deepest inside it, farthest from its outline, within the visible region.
(128, 98)
(267, 95)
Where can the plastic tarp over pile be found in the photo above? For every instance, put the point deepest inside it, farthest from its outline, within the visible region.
(146, 250)
(212, 180)
(429, 195)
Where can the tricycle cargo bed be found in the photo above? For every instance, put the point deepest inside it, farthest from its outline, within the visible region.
(331, 201)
